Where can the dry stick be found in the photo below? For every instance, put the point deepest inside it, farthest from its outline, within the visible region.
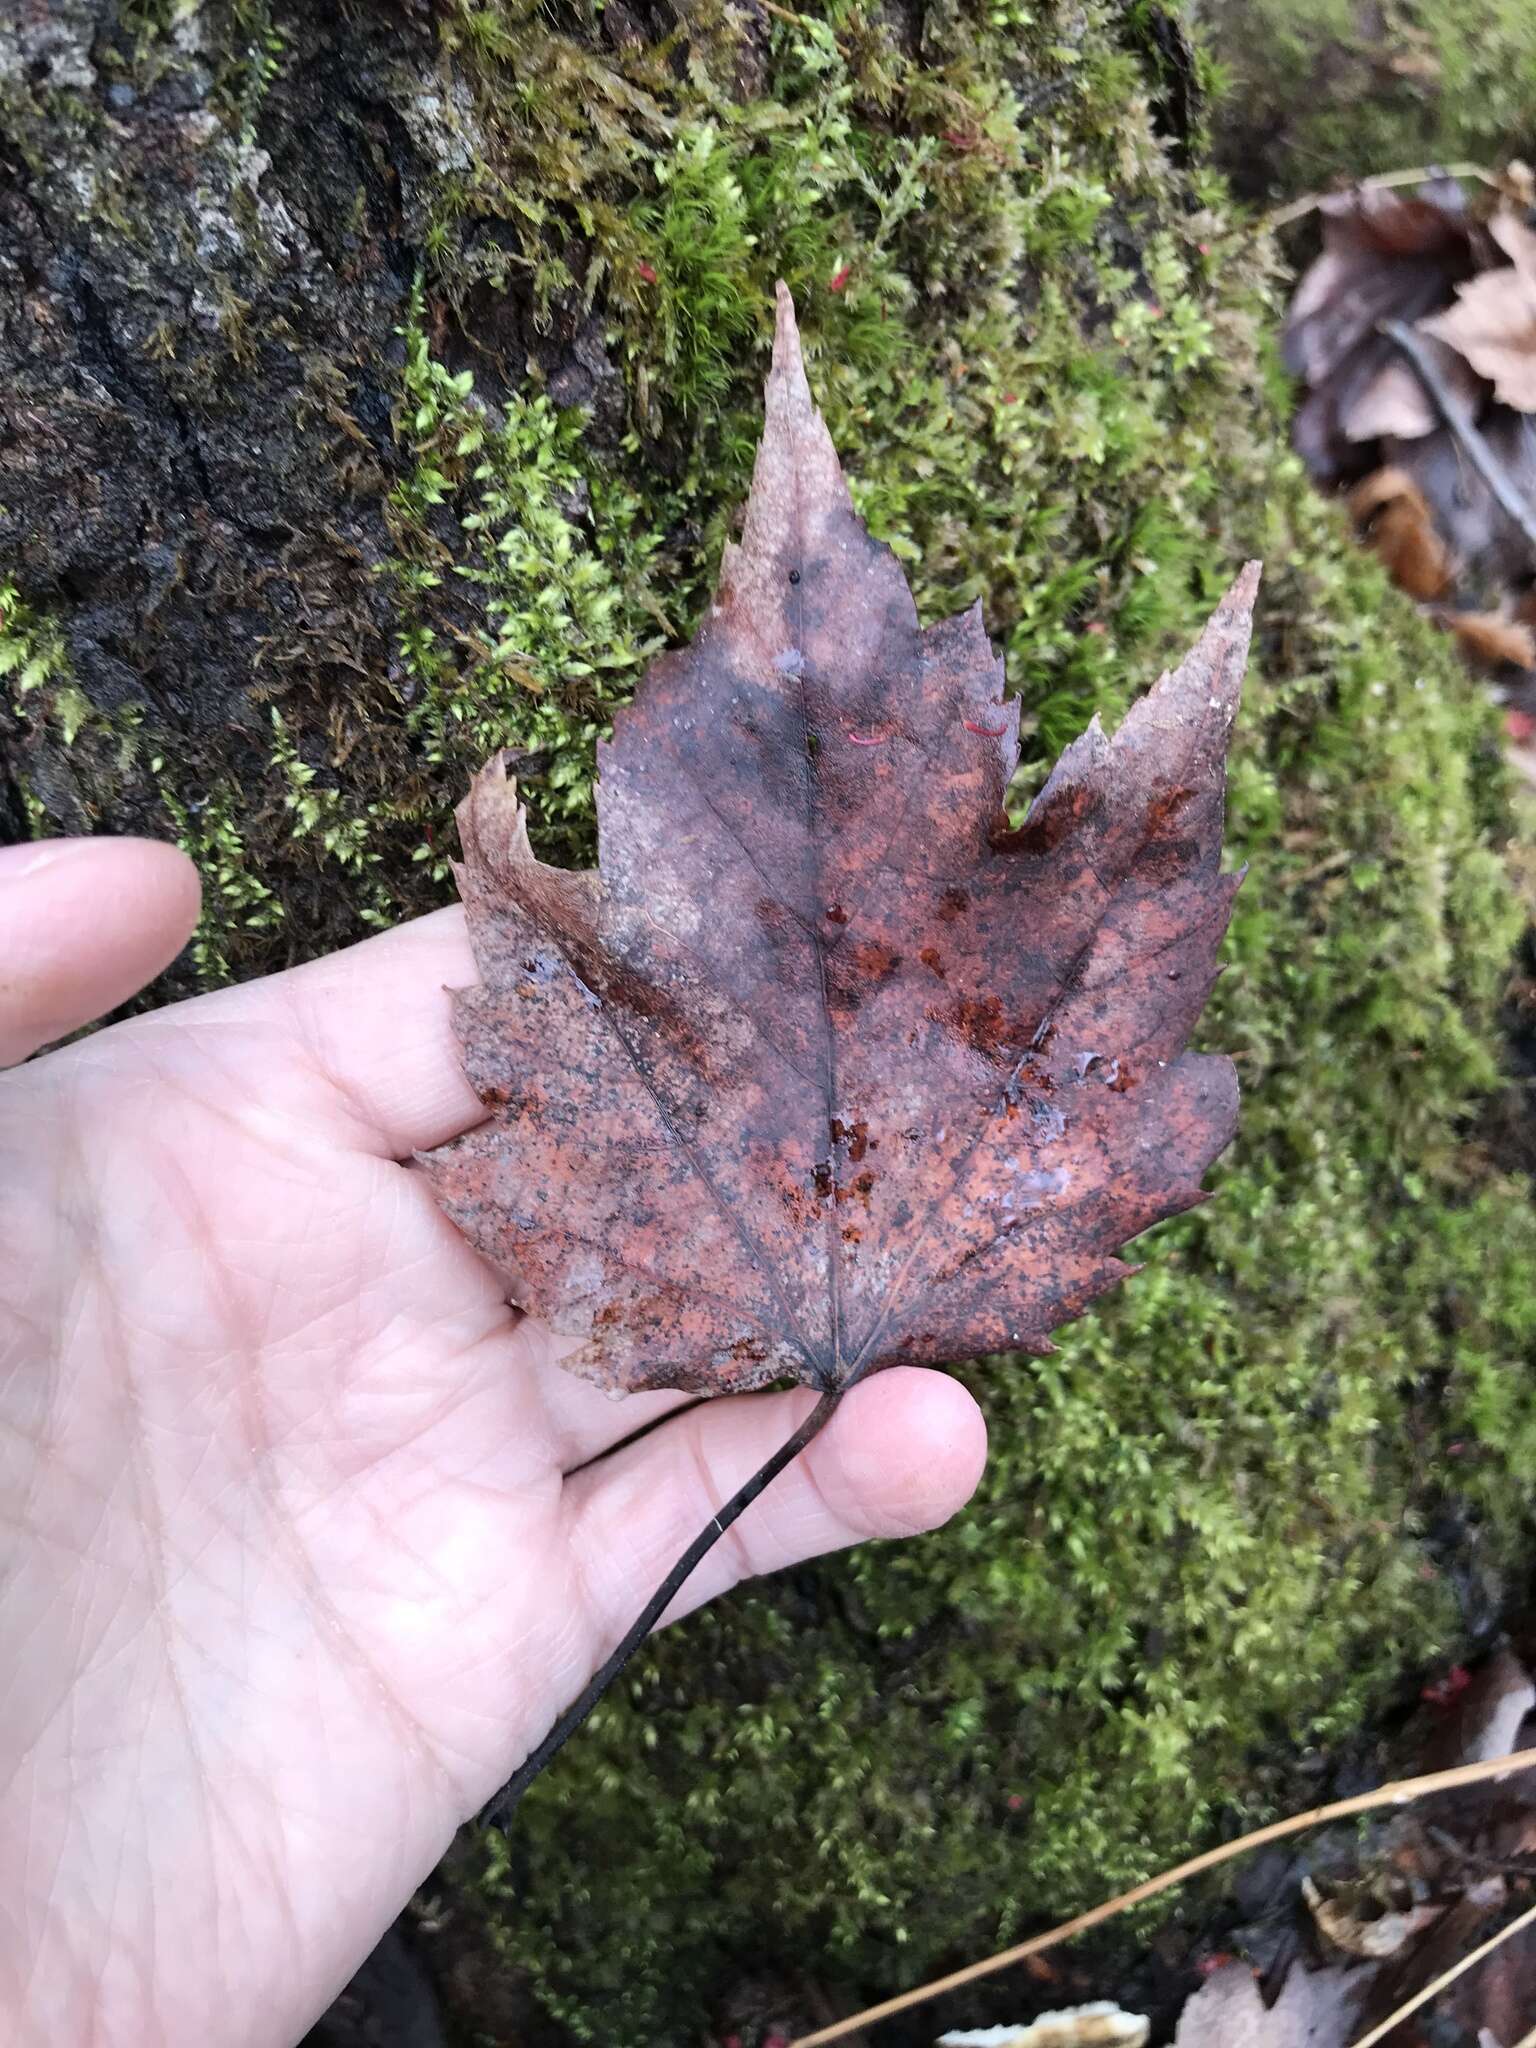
(1396, 1794)
(498, 1810)
(1298, 209)
(799, 21)
(1411, 2005)
(1461, 424)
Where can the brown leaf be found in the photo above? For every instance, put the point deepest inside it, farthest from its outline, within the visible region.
(1395, 405)
(1493, 324)
(1385, 257)
(1488, 551)
(1401, 1914)
(1357, 1921)
(826, 1068)
(1394, 402)
(1517, 240)
(1316, 2009)
(1392, 515)
(1489, 640)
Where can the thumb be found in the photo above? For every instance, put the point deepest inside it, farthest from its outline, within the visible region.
(84, 923)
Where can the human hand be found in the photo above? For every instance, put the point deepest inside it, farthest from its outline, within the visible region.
(308, 1537)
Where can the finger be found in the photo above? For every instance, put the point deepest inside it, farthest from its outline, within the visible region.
(357, 1048)
(377, 1022)
(581, 1421)
(901, 1454)
(84, 924)
(568, 1420)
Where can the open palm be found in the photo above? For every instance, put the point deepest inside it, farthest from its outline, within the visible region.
(307, 1537)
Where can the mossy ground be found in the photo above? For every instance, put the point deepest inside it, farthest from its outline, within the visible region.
(1247, 1496)
(1318, 91)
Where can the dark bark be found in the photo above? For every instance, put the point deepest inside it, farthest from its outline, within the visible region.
(204, 265)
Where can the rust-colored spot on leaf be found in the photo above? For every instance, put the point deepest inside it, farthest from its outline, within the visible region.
(737, 1129)
(875, 960)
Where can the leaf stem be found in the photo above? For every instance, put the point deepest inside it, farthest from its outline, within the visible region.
(1384, 181)
(499, 1809)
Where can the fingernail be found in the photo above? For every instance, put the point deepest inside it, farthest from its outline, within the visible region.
(20, 863)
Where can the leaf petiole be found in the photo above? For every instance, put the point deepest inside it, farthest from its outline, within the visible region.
(499, 1809)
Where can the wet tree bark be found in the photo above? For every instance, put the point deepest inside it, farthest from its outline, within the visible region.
(210, 228)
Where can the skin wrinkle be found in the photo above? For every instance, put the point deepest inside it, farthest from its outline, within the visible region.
(340, 1434)
(213, 1268)
(39, 1484)
(153, 1527)
(584, 1561)
(385, 1523)
(247, 1121)
(386, 1136)
(287, 1536)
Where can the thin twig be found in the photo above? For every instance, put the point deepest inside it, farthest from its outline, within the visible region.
(1396, 1794)
(1462, 425)
(498, 1810)
(1411, 2005)
(1384, 181)
(799, 20)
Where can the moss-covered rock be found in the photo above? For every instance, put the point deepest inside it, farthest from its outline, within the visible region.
(421, 441)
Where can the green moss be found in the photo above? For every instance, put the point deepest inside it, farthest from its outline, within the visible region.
(235, 898)
(562, 612)
(33, 656)
(41, 694)
(1330, 89)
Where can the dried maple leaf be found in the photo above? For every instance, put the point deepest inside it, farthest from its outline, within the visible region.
(1489, 640)
(1396, 407)
(1493, 322)
(826, 1068)
(1385, 256)
(1393, 517)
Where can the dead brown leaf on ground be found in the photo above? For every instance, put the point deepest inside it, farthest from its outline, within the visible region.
(1395, 405)
(1414, 333)
(1491, 641)
(1492, 326)
(1385, 256)
(1423, 1893)
(1491, 557)
(1393, 516)
(1316, 2009)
